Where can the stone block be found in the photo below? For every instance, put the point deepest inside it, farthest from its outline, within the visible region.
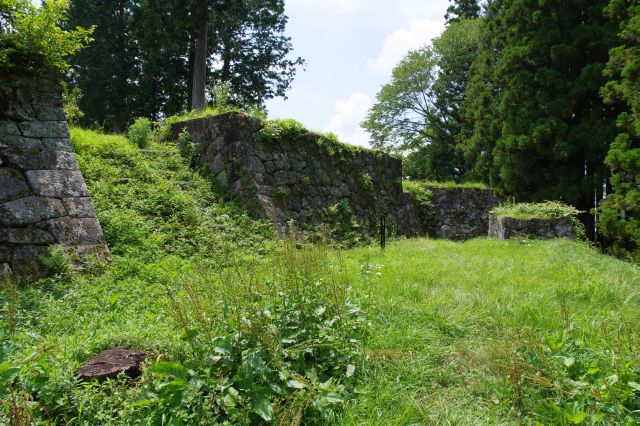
(9, 128)
(57, 144)
(25, 236)
(57, 183)
(12, 184)
(79, 207)
(68, 230)
(30, 210)
(48, 112)
(38, 158)
(26, 261)
(44, 129)
(19, 111)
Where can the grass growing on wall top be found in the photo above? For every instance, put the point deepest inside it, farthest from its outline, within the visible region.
(546, 210)
(413, 185)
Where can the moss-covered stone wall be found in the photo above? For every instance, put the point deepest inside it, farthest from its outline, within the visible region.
(43, 196)
(304, 179)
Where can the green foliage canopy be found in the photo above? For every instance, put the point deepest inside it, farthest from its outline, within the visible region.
(621, 211)
(539, 128)
(143, 55)
(419, 109)
(32, 36)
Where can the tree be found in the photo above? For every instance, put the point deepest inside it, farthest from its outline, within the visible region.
(35, 34)
(540, 128)
(144, 58)
(107, 71)
(249, 43)
(620, 213)
(462, 9)
(419, 109)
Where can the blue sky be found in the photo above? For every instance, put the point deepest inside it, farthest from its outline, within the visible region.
(350, 47)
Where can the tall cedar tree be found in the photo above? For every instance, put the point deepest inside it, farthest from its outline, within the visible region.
(540, 128)
(142, 61)
(620, 213)
(106, 71)
(248, 36)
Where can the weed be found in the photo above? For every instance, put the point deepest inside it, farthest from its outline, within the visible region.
(283, 130)
(139, 132)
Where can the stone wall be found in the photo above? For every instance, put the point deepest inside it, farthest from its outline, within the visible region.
(43, 197)
(306, 180)
(454, 213)
(505, 227)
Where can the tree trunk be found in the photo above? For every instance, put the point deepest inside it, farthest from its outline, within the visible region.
(200, 68)
(226, 60)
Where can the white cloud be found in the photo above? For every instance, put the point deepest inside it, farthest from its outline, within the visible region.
(334, 7)
(347, 117)
(398, 43)
(421, 9)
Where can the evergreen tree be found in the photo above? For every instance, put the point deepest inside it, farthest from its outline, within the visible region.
(107, 71)
(620, 213)
(249, 43)
(462, 9)
(540, 128)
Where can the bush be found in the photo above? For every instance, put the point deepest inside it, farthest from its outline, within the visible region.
(139, 132)
(546, 210)
(282, 130)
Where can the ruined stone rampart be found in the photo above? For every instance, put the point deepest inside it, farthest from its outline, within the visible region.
(43, 197)
(505, 227)
(306, 179)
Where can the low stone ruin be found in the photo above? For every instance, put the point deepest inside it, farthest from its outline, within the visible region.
(44, 200)
(460, 213)
(505, 227)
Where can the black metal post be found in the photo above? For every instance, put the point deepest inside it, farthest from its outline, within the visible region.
(383, 236)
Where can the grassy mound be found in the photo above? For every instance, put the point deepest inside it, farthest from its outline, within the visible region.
(239, 327)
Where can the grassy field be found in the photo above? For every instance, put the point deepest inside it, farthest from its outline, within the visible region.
(494, 332)
(245, 329)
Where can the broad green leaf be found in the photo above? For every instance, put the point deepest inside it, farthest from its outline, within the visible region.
(263, 408)
(577, 418)
(168, 369)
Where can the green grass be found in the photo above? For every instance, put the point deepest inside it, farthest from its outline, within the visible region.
(482, 332)
(546, 210)
(413, 185)
(461, 333)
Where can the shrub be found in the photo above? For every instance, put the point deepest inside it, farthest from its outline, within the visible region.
(139, 132)
(546, 210)
(282, 130)
(32, 36)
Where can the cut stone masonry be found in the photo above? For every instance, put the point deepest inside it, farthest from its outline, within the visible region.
(44, 200)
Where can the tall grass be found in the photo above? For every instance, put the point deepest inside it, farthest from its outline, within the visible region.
(490, 332)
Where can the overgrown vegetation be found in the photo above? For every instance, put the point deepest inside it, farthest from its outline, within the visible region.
(31, 37)
(497, 332)
(546, 210)
(268, 331)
